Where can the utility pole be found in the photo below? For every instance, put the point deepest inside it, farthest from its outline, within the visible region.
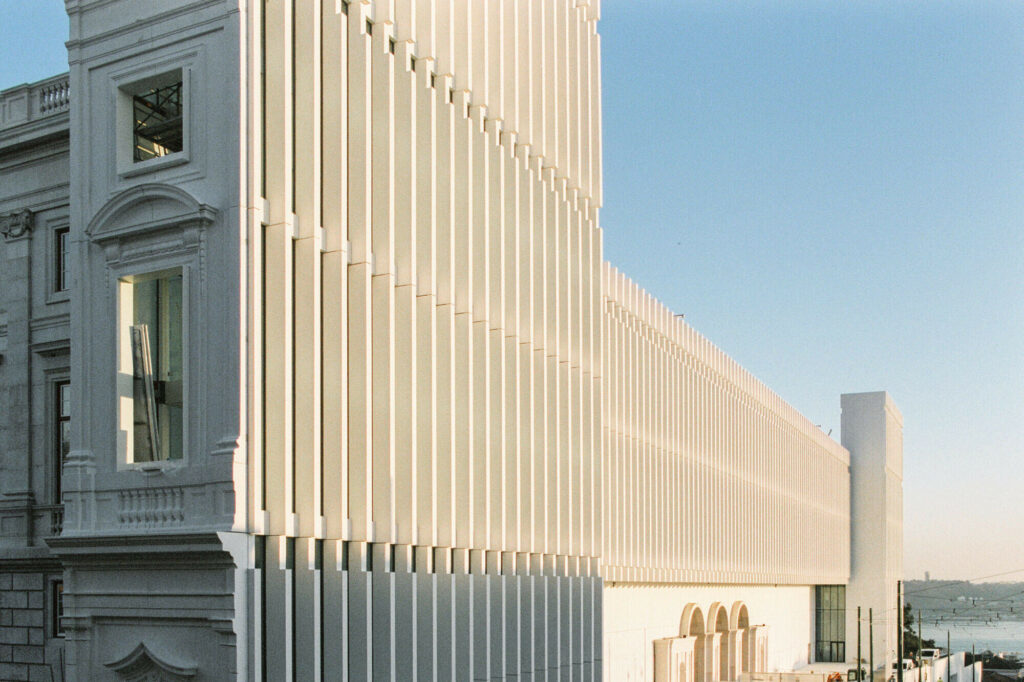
(919, 640)
(974, 659)
(860, 678)
(899, 631)
(871, 642)
(949, 660)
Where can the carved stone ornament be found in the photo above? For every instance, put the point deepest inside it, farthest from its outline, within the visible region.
(142, 665)
(16, 225)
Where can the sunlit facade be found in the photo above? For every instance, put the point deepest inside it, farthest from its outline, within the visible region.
(313, 369)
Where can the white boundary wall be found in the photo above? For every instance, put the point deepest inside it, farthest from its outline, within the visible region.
(637, 615)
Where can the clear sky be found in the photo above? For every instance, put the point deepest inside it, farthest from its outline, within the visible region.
(832, 192)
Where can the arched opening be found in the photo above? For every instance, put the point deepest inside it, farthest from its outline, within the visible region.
(739, 623)
(692, 625)
(718, 624)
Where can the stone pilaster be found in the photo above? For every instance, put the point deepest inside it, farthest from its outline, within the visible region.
(713, 660)
(16, 498)
(735, 641)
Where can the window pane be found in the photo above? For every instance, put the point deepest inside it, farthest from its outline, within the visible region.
(65, 399)
(830, 623)
(57, 608)
(62, 434)
(156, 342)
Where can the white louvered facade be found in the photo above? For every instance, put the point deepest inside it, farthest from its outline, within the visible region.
(426, 310)
(426, 321)
(709, 476)
(429, 432)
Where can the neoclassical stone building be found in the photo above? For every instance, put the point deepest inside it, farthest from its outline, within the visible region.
(311, 367)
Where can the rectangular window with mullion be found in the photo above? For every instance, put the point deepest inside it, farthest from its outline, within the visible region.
(61, 277)
(57, 608)
(830, 623)
(62, 433)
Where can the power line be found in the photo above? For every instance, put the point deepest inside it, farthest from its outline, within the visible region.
(961, 582)
(964, 614)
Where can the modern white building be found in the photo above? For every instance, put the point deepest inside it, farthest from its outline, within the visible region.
(312, 369)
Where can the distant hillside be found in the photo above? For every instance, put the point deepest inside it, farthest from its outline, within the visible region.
(965, 602)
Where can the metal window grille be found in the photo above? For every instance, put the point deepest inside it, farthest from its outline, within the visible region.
(157, 126)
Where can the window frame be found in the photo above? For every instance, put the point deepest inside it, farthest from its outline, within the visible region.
(55, 599)
(139, 125)
(61, 259)
(124, 369)
(827, 604)
(57, 419)
(54, 228)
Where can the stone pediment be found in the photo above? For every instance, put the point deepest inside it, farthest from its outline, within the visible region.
(142, 665)
(149, 207)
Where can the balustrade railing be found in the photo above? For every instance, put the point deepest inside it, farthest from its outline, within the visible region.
(26, 103)
(54, 96)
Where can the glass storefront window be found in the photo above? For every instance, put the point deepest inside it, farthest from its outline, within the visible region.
(830, 623)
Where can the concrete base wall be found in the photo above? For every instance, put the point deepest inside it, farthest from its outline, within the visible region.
(156, 606)
(30, 648)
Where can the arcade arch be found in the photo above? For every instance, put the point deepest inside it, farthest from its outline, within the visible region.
(739, 622)
(718, 628)
(692, 625)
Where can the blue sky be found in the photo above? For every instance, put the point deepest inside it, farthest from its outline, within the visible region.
(832, 192)
(32, 35)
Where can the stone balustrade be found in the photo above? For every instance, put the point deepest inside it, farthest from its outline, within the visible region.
(33, 101)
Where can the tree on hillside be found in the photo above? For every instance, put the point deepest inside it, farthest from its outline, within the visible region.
(911, 645)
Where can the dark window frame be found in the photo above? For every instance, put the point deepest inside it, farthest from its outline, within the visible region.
(56, 608)
(61, 259)
(59, 419)
(830, 623)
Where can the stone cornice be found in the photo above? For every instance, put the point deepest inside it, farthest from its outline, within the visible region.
(54, 130)
(142, 542)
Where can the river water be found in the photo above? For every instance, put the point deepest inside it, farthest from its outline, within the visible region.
(999, 637)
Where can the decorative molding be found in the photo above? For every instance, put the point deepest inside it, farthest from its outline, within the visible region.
(142, 665)
(151, 507)
(147, 208)
(38, 324)
(80, 458)
(17, 225)
(52, 349)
